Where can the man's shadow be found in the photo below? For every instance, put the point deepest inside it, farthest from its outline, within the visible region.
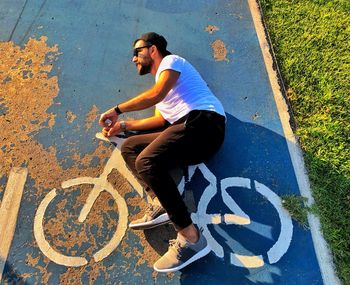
(249, 151)
(10, 275)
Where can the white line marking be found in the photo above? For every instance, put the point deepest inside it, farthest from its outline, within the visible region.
(94, 193)
(116, 161)
(322, 251)
(121, 228)
(9, 211)
(44, 245)
(246, 261)
(240, 218)
(200, 217)
(281, 246)
(236, 219)
(100, 185)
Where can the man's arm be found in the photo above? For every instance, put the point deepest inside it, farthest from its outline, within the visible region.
(149, 98)
(157, 121)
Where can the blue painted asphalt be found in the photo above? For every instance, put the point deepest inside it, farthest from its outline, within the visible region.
(95, 68)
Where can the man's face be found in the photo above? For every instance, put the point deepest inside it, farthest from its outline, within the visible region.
(142, 58)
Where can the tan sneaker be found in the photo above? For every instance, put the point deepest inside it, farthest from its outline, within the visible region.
(155, 216)
(182, 253)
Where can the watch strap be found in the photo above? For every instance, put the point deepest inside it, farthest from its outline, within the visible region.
(117, 110)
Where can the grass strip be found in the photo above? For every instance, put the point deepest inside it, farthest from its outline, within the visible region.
(297, 208)
(311, 40)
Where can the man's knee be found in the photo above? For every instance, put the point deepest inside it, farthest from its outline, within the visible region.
(144, 164)
(127, 148)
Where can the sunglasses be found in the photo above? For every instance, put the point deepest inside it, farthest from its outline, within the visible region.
(137, 50)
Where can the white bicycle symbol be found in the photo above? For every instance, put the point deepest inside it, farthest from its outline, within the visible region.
(201, 217)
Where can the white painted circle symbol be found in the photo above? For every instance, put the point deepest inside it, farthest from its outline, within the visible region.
(74, 261)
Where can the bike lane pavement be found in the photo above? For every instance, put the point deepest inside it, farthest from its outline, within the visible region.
(70, 61)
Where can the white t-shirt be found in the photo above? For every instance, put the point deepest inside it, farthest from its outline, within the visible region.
(189, 93)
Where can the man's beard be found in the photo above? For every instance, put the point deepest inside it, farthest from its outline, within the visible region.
(145, 68)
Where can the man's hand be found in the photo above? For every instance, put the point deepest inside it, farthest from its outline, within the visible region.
(112, 130)
(108, 118)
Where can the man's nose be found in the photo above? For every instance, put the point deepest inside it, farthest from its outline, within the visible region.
(134, 58)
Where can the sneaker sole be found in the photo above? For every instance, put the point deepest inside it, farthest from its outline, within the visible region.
(197, 256)
(161, 220)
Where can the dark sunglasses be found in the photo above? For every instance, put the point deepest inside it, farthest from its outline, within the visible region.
(137, 50)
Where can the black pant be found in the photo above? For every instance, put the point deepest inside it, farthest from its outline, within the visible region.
(191, 140)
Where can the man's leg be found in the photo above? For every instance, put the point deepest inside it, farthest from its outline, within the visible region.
(179, 145)
(131, 149)
(155, 215)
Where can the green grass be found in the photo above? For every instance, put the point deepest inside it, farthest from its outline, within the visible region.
(311, 40)
(297, 208)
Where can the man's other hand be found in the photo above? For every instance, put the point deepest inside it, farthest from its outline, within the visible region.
(108, 118)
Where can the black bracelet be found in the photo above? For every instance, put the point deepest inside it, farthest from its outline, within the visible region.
(117, 110)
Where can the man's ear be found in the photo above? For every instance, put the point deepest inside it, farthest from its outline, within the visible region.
(153, 50)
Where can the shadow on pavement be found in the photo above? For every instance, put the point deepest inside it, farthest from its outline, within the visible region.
(258, 154)
(11, 275)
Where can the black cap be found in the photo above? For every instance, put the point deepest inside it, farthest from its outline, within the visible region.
(159, 41)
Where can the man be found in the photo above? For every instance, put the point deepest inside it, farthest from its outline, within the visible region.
(193, 122)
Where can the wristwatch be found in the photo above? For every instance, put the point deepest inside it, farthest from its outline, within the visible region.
(117, 110)
(123, 125)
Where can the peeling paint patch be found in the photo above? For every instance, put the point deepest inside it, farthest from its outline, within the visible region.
(91, 117)
(25, 102)
(32, 261)
(27, 91)
(211, 29)
(219, 50)
(70, 116)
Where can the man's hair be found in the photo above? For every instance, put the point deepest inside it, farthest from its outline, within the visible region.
(159, 41)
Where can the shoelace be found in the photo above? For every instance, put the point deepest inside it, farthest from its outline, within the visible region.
(149, 209)
(153, 210)
(175, 245)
